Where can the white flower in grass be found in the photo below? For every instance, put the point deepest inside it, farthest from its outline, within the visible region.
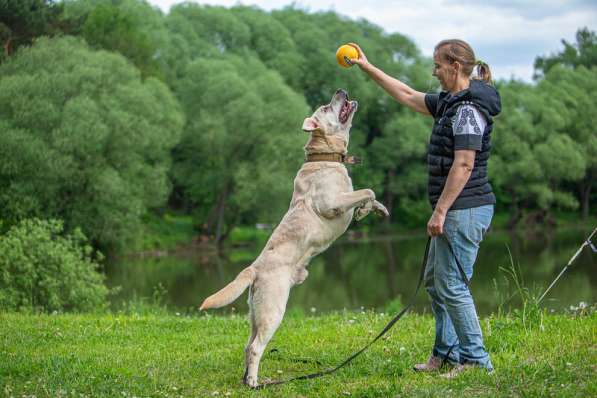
(313, 310)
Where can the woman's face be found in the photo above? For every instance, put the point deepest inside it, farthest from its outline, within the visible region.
(445, 72)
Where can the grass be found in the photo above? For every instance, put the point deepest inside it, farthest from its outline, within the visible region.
(118, 355)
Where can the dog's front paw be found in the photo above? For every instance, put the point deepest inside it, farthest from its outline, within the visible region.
(380, 209)
(361, 213)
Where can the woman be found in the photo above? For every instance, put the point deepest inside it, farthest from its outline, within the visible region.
(459, 192)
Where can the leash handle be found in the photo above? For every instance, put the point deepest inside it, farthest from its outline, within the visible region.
(593, 248)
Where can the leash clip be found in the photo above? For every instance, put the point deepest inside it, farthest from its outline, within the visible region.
(591, 245)
(350, 159)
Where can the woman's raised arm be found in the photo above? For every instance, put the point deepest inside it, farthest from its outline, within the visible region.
(401, 92)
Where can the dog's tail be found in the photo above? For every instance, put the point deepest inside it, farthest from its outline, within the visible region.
(231, 291)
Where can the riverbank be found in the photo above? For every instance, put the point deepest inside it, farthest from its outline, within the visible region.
(168, 232)
(166, 355)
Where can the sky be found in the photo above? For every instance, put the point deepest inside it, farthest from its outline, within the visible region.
(507, 34)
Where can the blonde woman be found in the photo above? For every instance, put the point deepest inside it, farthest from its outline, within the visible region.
(459, 191)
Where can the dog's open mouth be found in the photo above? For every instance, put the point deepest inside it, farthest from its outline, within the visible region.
(345, 111)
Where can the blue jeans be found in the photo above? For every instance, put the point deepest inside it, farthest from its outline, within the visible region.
(456, 321)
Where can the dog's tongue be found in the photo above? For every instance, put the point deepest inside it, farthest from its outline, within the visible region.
(344, 111)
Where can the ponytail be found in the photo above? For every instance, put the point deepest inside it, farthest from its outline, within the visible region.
(456, 50)
(483, 71)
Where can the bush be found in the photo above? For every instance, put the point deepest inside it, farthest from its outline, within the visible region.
(43, 270)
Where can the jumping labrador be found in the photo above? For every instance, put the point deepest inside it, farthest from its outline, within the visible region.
(322, 207)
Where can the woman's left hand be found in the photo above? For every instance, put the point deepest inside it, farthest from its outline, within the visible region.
(361, 61)
(435, 226)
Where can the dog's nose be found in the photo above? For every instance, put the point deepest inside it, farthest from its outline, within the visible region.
(342, 92)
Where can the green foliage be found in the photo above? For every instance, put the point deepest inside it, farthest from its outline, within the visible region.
(394, 306)
(90, 137)
(244, 235)
(130, 27)
(164, 231)
(107, 27)
(84, 139)
(528, 312)
(242, 129)
(145, 305)
(23, 20)
(545, 138)
(43, 270)
(581, 53)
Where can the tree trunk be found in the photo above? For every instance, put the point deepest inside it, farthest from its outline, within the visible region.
(208, 226)
(7, 47)
(221, 209)
(211, 225)
(585, 194)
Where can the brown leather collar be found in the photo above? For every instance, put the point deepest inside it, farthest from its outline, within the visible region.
(332, 157)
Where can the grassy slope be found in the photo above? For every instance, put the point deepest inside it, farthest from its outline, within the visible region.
(128, 355)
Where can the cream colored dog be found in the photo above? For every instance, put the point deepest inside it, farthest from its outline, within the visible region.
(321, 210)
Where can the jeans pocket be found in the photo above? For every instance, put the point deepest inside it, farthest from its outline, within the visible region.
(479, 223)
(453, 220)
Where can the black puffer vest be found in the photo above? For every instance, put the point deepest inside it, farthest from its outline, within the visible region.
(440, 155)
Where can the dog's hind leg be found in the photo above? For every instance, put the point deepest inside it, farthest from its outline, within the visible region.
(251, 337)
(268, 307)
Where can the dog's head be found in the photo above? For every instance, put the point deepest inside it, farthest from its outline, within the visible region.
(332, 122)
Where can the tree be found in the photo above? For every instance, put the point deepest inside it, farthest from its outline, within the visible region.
(581, 53)
(130, 27)
(23, 20)
(400, 155)
(242, 143)
(84, 139)
(272, 43)
(535, 154)
(576, 90)
(574, 73)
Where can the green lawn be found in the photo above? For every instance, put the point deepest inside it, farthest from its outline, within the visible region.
(167, 355)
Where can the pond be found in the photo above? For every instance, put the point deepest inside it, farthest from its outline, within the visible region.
(376, 272)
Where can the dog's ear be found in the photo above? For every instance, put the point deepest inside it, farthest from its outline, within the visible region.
(310, 124)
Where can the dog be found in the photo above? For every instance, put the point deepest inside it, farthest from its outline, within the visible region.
(322, 207)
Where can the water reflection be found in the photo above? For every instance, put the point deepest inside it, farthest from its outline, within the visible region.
(369, 273)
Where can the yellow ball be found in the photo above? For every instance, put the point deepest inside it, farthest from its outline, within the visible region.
(346, 51)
